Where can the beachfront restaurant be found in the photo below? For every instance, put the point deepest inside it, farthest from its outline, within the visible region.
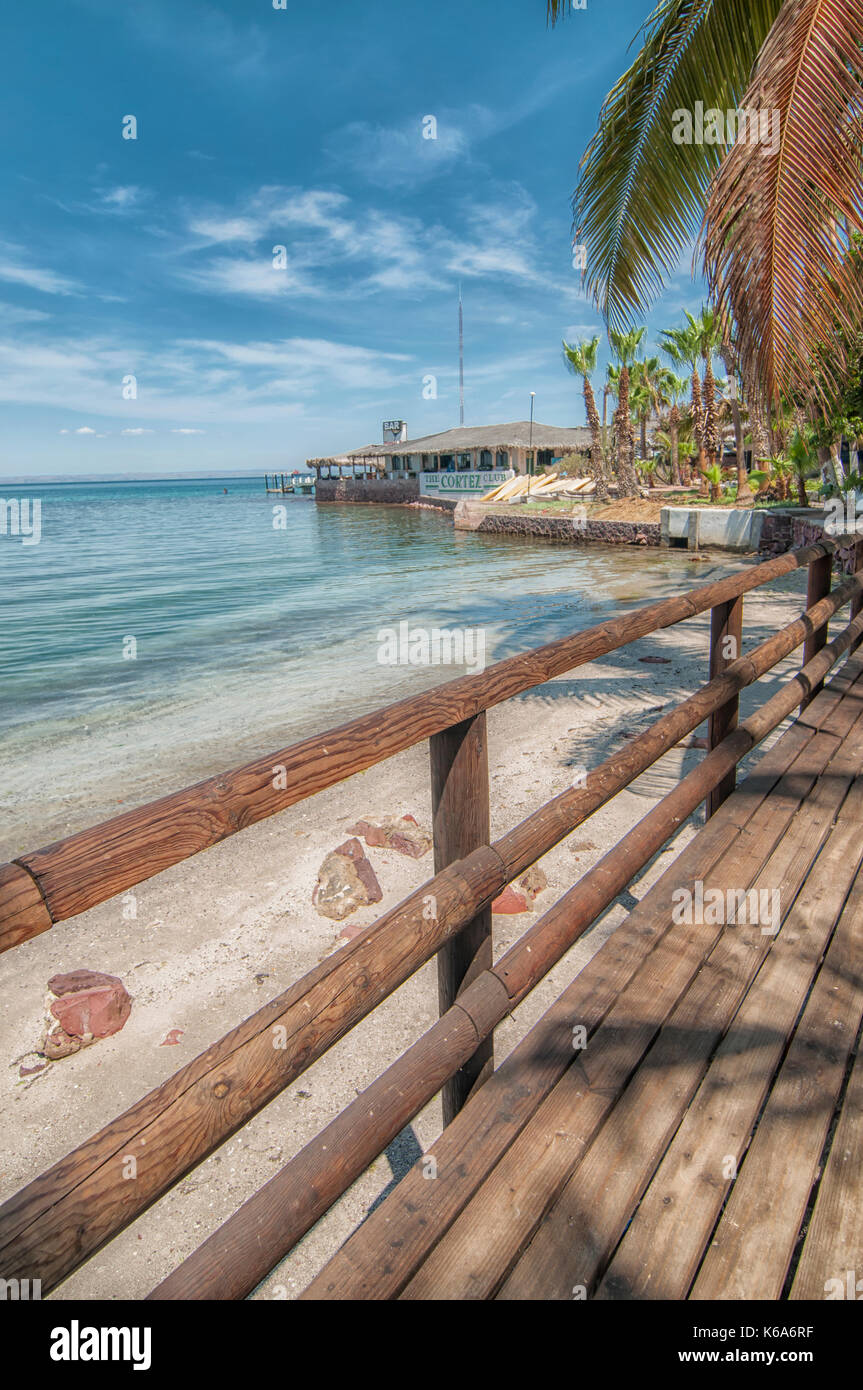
(459, 461)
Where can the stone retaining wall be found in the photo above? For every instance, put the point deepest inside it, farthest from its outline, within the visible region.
(781, 533)
(367, 490)
(777, 534)
(564, 528)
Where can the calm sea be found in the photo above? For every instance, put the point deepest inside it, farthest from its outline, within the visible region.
(164, 631)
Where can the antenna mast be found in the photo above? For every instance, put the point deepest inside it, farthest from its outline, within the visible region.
(460, 360)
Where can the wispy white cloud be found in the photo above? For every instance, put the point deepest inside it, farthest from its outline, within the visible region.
(16, 269)
(334, 247)
(211, 382)
(407, 155)
(15, 313)
(123, 198)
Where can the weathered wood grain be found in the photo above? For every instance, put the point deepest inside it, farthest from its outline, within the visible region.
(586, 1222)
(23, 912)
(726, 636)
(461, 823)
(751, 1249)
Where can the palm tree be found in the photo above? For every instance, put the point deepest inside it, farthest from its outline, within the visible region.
(610, 388)
(775, 212)
(729, 358)
(640, 406)
(648, 375)
(803, 457)
(675, 388)
(581, 361)
(705, 329)
(683, 347)
(625, 346)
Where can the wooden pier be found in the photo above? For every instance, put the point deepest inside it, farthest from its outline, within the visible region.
(287, 483)
(686, 1121)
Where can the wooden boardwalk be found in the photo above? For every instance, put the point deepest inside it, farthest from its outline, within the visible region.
(707, 1142)
(684, 1122)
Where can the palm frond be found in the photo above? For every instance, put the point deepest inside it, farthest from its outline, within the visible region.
(641, 195)
(781, 213)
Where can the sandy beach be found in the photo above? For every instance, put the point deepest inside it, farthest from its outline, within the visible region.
(218, 936)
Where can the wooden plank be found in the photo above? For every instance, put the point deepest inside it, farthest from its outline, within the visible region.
(818, 584)
(460, 824)
(857, 566)
(494, 1227)
(752, 1247)
(659, 1255)
(86, 868)
(580, 1232)
(834, 1240)
(379, 1258)
(726, 635)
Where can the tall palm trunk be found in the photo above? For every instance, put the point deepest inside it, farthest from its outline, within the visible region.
(709, 432)
(624, 439)
(744, 491)
(674, 433)
(697, 431)
(596, 459)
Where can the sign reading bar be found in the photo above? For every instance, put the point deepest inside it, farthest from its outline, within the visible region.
(481, 481)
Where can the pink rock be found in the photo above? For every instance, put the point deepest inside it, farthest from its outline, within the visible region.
(351, 930)
(58, 1044)
(80, 979)
(401, 833)
(90, 1004)
(510, 902)
(533, 881)
(346, 881)
(174, 1036)
(31, 1071)
(351, 849)
(374, 835)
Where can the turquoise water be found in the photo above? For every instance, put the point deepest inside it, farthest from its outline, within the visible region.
(247, 636)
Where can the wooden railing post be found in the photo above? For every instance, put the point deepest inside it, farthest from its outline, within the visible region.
(857, 603)
(726, 632)
(818, 585)
(460, 811)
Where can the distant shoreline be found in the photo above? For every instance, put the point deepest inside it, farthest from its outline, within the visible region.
(67, 480)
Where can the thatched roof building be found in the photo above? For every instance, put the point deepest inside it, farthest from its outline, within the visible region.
(470, 446)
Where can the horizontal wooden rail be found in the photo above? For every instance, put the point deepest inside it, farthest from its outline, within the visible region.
(52, 1225)
(234, 1260)
(63, 879)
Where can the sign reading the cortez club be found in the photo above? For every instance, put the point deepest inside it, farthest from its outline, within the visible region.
(481, 481)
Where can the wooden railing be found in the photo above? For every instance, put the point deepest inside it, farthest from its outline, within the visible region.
(58, 1220)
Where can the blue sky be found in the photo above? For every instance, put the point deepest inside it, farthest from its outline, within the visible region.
(303, 128)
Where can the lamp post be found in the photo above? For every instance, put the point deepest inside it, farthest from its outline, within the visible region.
(530, 447)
